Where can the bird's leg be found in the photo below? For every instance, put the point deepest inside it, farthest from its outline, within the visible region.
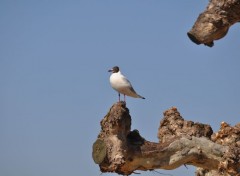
(118, 97)
(124, 98)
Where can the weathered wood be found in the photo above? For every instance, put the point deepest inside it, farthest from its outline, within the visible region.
(214, 22)
(120, 150)
(173, 125)
(226, 136)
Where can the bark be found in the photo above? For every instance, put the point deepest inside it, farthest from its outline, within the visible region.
(214, 22)
(181, 142)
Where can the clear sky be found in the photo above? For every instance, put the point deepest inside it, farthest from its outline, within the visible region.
(54, 84)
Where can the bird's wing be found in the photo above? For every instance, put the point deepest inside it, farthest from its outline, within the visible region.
(126, 82)
(129, 85)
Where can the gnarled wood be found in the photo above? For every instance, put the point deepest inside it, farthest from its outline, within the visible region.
(120, 150)
(214, 22)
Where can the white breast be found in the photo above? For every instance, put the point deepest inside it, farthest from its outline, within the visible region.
(119, 81)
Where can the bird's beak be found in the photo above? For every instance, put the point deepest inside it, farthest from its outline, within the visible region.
(110, 70)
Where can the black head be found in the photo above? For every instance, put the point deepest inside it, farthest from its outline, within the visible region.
(114, 69)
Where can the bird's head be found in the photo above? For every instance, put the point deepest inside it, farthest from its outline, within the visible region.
(114, 69)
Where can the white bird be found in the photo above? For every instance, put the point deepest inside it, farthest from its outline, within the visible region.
(121, 84)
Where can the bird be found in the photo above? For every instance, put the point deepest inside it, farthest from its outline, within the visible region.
(121, 84)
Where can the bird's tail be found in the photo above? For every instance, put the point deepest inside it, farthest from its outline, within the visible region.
(141, 97)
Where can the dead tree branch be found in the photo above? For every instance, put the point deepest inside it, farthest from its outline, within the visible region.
(181, 142)
(214, 22)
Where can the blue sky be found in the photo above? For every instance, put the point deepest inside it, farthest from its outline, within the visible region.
(54, 57)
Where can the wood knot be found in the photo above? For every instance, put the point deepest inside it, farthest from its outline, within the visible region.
(99, 151)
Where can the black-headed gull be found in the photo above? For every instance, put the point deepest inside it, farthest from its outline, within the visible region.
(121, 84)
